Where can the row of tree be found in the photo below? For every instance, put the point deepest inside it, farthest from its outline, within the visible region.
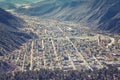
(102, 74)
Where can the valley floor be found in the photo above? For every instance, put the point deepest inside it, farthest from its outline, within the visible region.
(63, 45)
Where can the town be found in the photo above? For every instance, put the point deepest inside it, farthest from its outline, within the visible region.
(64, 45)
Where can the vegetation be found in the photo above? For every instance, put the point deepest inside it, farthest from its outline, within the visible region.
(11, 37)
(103, 74)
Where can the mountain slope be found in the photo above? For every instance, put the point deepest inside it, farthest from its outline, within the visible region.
(106, 14)
(22, 1)
(101, 14)
(7, 5)
(5, 67)
(10, 37)
(58, 9)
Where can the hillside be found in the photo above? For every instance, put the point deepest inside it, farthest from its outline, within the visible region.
(102, 74)
(104, 15)
(7, 5)
(58, 9)
(5, 67)
(21, 1)
(10, 37)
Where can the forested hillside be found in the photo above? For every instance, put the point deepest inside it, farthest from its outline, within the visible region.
(103, 74)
